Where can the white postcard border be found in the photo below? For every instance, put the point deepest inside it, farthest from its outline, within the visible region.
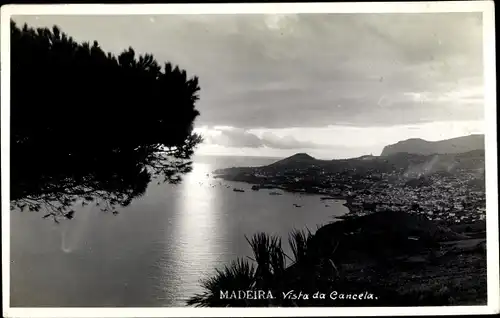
(487, 7)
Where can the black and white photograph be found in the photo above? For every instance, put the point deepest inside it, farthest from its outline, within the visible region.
(249, 156)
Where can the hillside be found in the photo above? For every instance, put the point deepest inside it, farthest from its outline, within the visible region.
(449, 146)
(438, 265)
(387, 231)
(307, 165)
(299, 158)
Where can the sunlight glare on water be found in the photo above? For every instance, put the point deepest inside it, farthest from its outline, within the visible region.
(194, 229)
(155, 251)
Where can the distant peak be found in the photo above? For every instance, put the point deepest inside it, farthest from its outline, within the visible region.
(412, 139)
(297, 158)
(302, 155)
(420, 146)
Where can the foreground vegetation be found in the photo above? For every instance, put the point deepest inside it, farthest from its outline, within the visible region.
(371, 253)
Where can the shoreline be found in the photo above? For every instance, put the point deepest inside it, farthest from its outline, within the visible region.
(325, 194)
(351, 213)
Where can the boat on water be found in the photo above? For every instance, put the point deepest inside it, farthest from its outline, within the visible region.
(238, 190)
(296, 205)
(275, 193)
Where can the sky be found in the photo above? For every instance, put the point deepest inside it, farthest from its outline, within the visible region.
(331, 85)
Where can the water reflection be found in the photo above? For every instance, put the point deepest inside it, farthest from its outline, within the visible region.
(156, 250)
(72, 233)
(194, 229)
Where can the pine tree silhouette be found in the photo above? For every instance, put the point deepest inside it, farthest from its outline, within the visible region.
(88, 125)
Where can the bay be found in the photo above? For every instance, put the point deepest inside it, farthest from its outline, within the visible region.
(155, 251)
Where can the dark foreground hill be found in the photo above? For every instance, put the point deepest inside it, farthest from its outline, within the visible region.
(408, 255)
(424, 147)
(384, 233)
(383, 259)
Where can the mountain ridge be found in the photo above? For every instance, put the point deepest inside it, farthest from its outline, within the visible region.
(470, 157)
(447, 146)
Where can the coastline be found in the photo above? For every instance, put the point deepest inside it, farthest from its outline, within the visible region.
(325, 196)
(259, 185)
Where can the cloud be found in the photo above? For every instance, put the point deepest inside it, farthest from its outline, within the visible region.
(240, 138)
(287, 142)
(234, 138)
(326, 142)
(309, 70)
